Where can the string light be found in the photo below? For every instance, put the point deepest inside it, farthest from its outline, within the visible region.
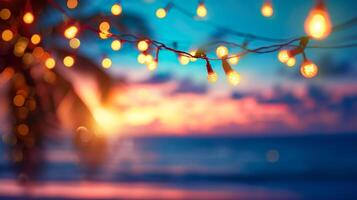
(222, 52)
(308, 69)
(233, 77)
(5, 14)
(291, 62)
(143, 45)
(7, 35)
(160, 13)
(318, 23)
(50, 63)
(116, 45)
(74, 43)
(104, 26)
(183, 59)
(72, 4)
(148, 58)
(267, 8)
(234, 60)
(71, 32)
(116, 9)
(211, 75)
(201, 10)
(106, 63)
(35, 39)
(141, 58)
(152, 65)
(283, 55)
(18, 100)
(68, 61)
(28, 18)
(193, 53)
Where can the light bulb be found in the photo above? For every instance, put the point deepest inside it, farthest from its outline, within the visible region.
(152, 65)
(160, 13)
(72, 4)
(291, 62)
(222, 51)
(71, 32)
(68, 61)
(193, 53)
(116, 45)
(318, 23)
(5, 14)
(267, 9)
(212, 77)
(184, 60)
(106, 63)
(283, 56)
(234, 60)
(74, 43)
(7, 35)
(233, 77)
(308, 69)
(141, 58)
(28, 18)
(50, 63)
(35, 39)
(148, 58)
(116, 9)
(104, 26)
(143, 45)
(201, 10)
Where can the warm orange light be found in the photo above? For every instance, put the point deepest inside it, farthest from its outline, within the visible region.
(106, 63)
(234, 60)
(318, 23)
(233, 78)
(267, 9)
(152, 65)
(5, 14)
(201, 10)
(148, 58)
(71, 32)
(222, 51)
(143, 45)
(104, 34)
(141, 58)
(160, 13)
(7, 35)
(27, 58)
(283, 56)
(23, 129)
(116, 9)
(183, 59)
(50, 63)
(68, 61)
(107, 119)
(291, 62)
(309, 69)
(72, 4)
(19, 100)
(104, 26)
(35, 39)
(212, 77)
(74, 43)
(193, 53)
(28, 18)
(116, 45)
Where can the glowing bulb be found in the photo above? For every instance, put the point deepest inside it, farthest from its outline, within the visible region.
(152, 65)
(141, 58)
(308, 69)
(116, 45)
(291, 62)
(193, 53)
(318, 24)
(201, 10)
(5, 14)
(116, 9)
(267, 9)
(35, 39)
(72, 4)
(50, 63)
(74, 43)
(68, 61)
(28, 18)
(233, 77)
(283, 56)
(104, 34)
(71, 32)
(184, 60)
(234, 60)
(148, 58)
(160, 13)
(106, 63)
(212, 77)
(7, 35)
(143, 45)
(104, 26)
(222, 52)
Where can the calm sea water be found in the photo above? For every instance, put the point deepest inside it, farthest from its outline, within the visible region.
(300, 167)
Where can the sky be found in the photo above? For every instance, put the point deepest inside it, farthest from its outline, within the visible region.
(271, 98)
